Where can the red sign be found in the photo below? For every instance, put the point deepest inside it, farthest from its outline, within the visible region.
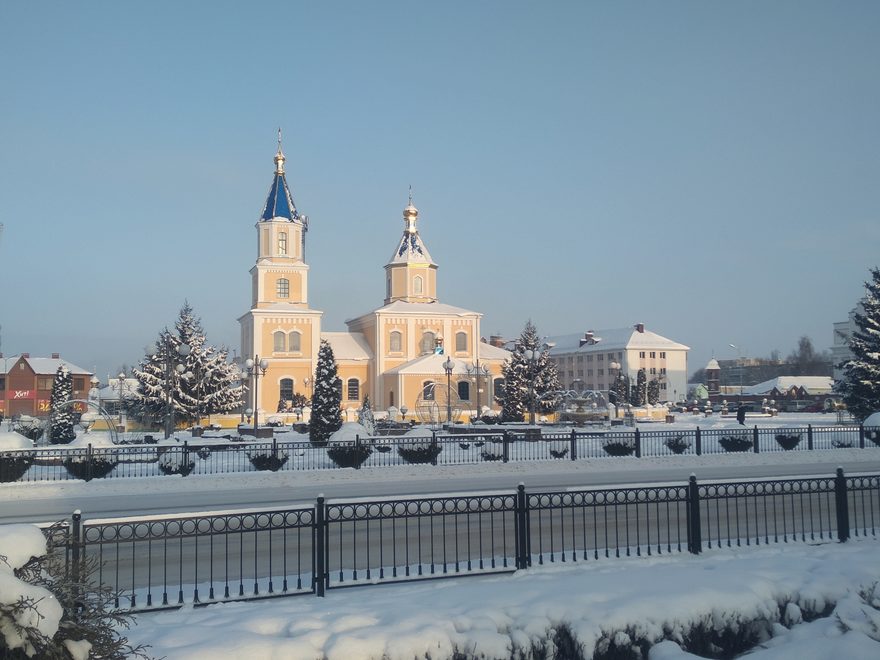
(23, 394)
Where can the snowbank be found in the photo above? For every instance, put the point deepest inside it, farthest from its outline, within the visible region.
(11, 440)
(348, 432)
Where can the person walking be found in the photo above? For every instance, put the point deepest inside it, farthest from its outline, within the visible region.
(741, 414)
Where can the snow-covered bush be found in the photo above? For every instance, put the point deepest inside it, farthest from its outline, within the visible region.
(677, 443)
(736, 442)
(872, 427)
(85, 467)
(267, 458)
(204, 453)
(559, 448)
(13, 461)
(421, 449)
(176, 462)
(619, 446)
(492, 452)
(29, 427)
(788, 441)
(348, 446)
(45, 612)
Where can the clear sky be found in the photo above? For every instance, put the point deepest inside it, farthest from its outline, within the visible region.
(710, 169)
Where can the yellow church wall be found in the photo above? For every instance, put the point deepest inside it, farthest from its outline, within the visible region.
(269, 325)
(360, 371)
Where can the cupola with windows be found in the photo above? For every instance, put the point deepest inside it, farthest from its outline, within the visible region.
(411, 274)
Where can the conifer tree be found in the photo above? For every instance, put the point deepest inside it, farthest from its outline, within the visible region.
(619, 394)
(326, 399)
(207, 383)
(366, 417)
(860, 386)
(654, 392)
(61, 426)
(528, 382)
(641, 388)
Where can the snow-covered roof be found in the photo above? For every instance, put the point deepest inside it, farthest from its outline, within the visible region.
(489, 352)
(419, 308)
(713, 364)
(45, 366)
(812, 385)
(431, 365)
(613, 339)
(411, 249)
(348, 345)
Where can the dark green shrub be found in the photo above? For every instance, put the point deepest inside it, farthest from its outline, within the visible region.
(13, 465)
(677, 443)
(419, 453)
(736, 443)
(349, 456)
(266, 459)
(176, 462)
(619, 447)
(80, 467)
(788, 441)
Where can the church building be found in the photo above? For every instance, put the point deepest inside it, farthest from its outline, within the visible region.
(397, 354)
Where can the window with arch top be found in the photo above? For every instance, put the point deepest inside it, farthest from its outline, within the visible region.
(294, 342)
(395, 345)
(354, 389)
(279, 341)
(418, 285)
(461, 343)
(464, 390)
(286, 389)
(282, 287)
(428, 390)
(427, 343)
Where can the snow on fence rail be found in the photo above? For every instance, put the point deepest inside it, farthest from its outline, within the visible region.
(58, 463)
(160, 562)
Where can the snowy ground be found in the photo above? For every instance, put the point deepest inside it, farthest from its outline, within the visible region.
(636, 599)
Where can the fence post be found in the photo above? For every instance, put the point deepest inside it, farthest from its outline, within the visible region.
(861, 436)
(809, 436)
(523, 552)
(76, 555)
(699, 442)
(638, 443)
(694, 537)
(505, 447)
(89, 462)
(185, 460)
(755, 439)
(434, 446)
(840, 502)
(319, 552)
(274, 446)
(574, 445)
(357, 448)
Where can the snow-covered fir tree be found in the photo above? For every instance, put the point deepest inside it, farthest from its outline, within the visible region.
(860, 386)
(641, 388)
(327, 397)
(61, 425)
(528, 382)
(619, 394)
(366, 417)
(206, 384)
(654, 392)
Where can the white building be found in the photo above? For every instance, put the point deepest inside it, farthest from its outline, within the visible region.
(843, 330)
(590, 360)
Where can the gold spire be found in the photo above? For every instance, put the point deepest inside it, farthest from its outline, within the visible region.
(410, 215)
(279, 156)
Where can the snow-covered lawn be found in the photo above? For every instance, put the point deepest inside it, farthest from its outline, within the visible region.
(765, 592)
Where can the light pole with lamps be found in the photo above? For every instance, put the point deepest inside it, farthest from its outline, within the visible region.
(740, 363)
(183, 349)
(256, 368)
(448, 366)
(476, 370)
(120, 379)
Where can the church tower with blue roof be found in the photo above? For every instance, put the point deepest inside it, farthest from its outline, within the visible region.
(280, 322)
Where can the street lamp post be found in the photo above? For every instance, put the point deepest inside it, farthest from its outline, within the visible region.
(121, 381)
(476, 371)
(256, 368)
(447, 367)
(740, 362)
(183, 349)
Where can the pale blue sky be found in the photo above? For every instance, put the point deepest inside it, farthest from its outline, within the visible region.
(710, 169)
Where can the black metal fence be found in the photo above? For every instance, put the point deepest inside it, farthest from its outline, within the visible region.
(59, 463)
(170, 561)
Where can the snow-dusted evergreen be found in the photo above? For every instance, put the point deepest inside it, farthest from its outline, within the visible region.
(208, 384)
(327, 397)
(61, 422)
(641, 388)
(619, 392)
(524, 379)
(366, 417)
(654, 392)
(860, 386)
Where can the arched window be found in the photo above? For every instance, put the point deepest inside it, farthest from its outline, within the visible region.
(428, 390)
(388, 286)
(418, 285)
(282, 287)
(395, 345)
(279, 341)
(354, 389)
(464, 390)
(282, 243)
(286, 389)
(427, 343)
(294, 342)
(460, 342)
(338, 386)
(498, 387)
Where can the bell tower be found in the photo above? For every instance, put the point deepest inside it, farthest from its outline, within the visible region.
(411, 274)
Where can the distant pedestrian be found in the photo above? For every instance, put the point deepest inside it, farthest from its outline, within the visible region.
(741, 414)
